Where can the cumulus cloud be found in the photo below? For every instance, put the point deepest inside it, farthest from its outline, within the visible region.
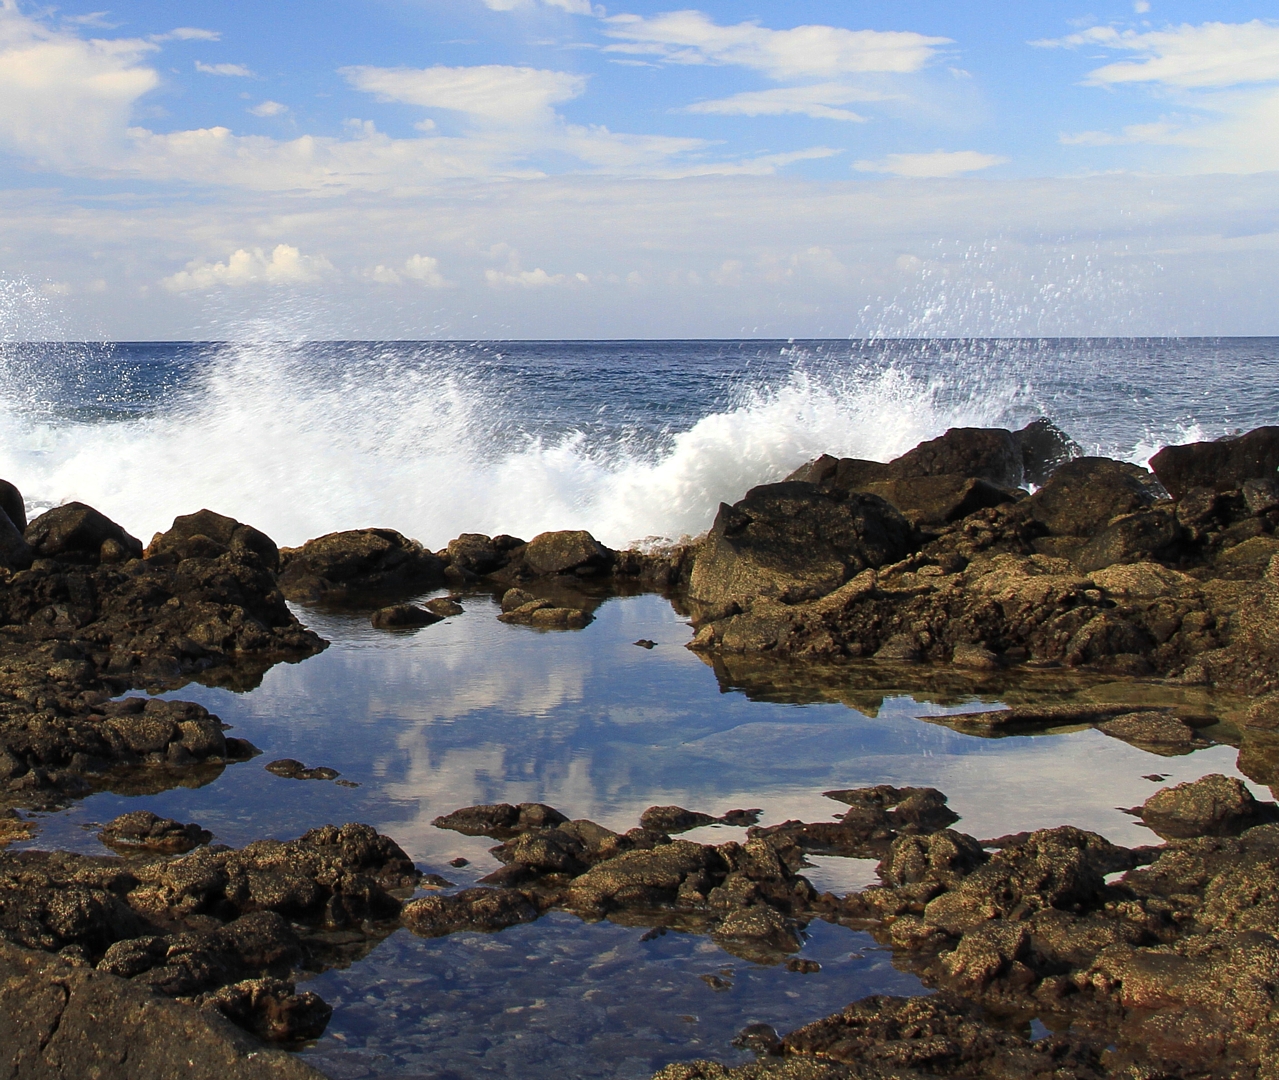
(237, 71)
(422, 269)
(821, 101)
(690, 37)
(284, 265)
(938, 163)
(495, 92)
(64, 99)
(1222, 77)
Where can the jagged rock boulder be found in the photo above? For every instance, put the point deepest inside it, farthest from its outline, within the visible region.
(566, 552)
(794, 542)
(1082, 496)
(1139, 537)
(141, 830)
(1215, 805)
(79, 533)
(207, 535)
(1223, 465)
(343, 566)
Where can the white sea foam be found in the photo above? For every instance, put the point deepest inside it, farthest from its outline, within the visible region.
(300, 449)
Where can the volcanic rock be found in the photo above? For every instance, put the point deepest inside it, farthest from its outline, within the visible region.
(1083, 495)
(342, 566)
(13, 506)
(402, 616)
(78, 533)
(207, 535)
(1215, 805)
(485, 910)
(568, 552)
(1223, 465)
(141, 830)
(793, 542)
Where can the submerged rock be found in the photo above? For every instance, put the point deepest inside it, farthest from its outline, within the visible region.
(1215, 805)
(402, 617)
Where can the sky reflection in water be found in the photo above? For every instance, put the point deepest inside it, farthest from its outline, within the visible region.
(472, 711)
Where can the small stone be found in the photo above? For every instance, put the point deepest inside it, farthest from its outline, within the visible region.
(459, 862)
(645, 643)
(403, 617)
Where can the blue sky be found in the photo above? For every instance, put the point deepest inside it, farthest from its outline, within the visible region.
(535, 168)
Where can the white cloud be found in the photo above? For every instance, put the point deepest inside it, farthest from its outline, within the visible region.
(495, 92)
(527, 279)
(1212, 55)
(268, 108)
(188, 33)
(820, 101)
(825, 52)
(1223, 77)
(938, 163)
(422, 269)
(238, 71)
(64, 99)
(573, 7)
(285, 265)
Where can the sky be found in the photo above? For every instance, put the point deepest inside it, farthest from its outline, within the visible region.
(564, 169)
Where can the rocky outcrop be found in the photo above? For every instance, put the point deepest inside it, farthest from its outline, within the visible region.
(344, 567)
(61, 1018)
(1223, 465)
(89, 620)
(793, 542)
(222, 928)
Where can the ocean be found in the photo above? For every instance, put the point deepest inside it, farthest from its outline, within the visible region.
(627, 439)
(632, 440)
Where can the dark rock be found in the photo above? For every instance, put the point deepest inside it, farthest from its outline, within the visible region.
(793, 542)
(1215, 805)
(1223, 465)
(513, 599)
(272, 1010)
(1044, 448)
(567, 552)
(648, 879)
(840, 474)
(403, 616)
(485, 910)
(59, 1019)
(991, 454)
(76, 532)
(645, 643)
(937, 500)
(345, 565)
(674, 819)
(1160, 733)
(1137, 537)
(459, 862)
(15, 552)
(500, 820)
(13, 506)
(546, 615)
(1260, 495)
(477, 554)
(291, 769)
(444, 606)
(1083, 495)
(757, 933)
(143, 830)
(207, 535)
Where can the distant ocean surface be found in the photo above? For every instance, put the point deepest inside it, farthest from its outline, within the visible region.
(629, 439)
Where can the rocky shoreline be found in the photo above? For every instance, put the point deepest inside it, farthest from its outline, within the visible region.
(1159, 961)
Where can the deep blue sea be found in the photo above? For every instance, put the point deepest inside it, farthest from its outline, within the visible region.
(630, 440)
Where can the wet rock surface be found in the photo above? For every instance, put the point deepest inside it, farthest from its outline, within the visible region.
(224, 930)
(90, 618)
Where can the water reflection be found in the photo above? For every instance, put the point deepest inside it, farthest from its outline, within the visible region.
(472, 710)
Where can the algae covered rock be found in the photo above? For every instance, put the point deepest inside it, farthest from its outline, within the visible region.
(345, 565)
